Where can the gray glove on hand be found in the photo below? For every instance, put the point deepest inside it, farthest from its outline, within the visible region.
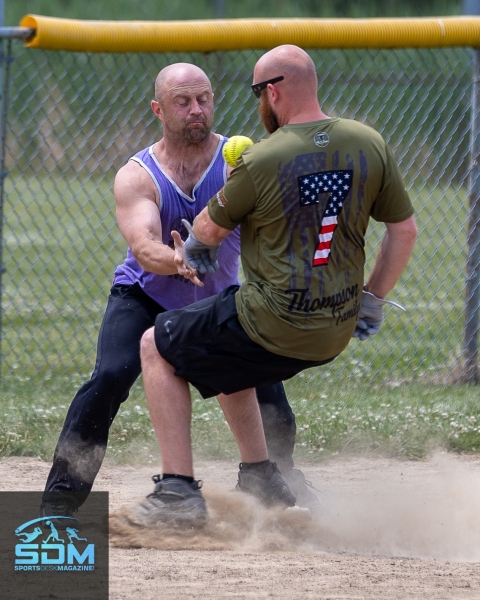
(370, 316)
(199, 255)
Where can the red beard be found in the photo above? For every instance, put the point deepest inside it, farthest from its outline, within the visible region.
(267, 115)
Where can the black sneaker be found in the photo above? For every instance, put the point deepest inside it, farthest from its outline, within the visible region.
(173, 501)
(267, 485)
(60, 512)
(303, 490)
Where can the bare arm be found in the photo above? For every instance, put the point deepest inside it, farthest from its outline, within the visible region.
(138, 218)
(206, 231)
(395, 250)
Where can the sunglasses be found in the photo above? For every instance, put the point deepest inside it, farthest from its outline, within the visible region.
(258, 87)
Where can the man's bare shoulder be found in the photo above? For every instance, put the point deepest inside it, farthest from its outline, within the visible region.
(132, 172)
(133, 180)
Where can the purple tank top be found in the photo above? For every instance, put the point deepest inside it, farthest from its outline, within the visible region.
(174, 291)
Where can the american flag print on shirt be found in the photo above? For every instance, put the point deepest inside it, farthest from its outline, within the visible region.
(335, 183)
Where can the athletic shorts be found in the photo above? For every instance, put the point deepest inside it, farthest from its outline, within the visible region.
(210, 349)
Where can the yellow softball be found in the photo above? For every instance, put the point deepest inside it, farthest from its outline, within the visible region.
(234, 148)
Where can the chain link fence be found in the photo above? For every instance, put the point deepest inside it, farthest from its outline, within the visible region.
(75, 118)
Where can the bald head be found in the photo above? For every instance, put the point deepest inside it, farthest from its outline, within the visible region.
(177, 76)
(294, 64)
(294, 98)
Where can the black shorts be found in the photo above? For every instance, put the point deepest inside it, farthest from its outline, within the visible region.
(210, 349)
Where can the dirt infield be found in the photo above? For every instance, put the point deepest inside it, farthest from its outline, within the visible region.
(388, 530)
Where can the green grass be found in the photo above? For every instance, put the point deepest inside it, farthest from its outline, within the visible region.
(405, 421)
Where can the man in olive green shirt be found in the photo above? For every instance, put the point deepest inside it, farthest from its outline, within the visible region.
(304, 198)
(304, 210)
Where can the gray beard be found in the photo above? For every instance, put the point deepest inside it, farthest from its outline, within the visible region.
(191, 136)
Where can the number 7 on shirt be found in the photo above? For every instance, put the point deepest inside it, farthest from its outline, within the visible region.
(337, 184)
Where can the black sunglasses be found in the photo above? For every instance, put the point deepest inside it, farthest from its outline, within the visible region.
(258, 87)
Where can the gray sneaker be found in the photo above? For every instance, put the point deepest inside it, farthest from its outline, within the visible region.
(175, 502)
(302, 488)
(268, 485)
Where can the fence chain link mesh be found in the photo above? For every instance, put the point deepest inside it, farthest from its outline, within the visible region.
(75, 119)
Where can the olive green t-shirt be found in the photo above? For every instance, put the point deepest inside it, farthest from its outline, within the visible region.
(303, 198)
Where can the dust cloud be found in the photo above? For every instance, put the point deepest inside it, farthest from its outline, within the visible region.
(394, 510)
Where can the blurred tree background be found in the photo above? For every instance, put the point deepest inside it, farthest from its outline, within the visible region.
(157, 10)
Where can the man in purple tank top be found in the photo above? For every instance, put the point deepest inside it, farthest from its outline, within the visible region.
(171, 180)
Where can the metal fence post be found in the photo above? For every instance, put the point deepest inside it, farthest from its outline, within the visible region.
(2, 94)
(471, 321)
(470, 374)
(2, 187)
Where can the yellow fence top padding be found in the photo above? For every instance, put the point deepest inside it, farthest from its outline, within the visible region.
(242, 34)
